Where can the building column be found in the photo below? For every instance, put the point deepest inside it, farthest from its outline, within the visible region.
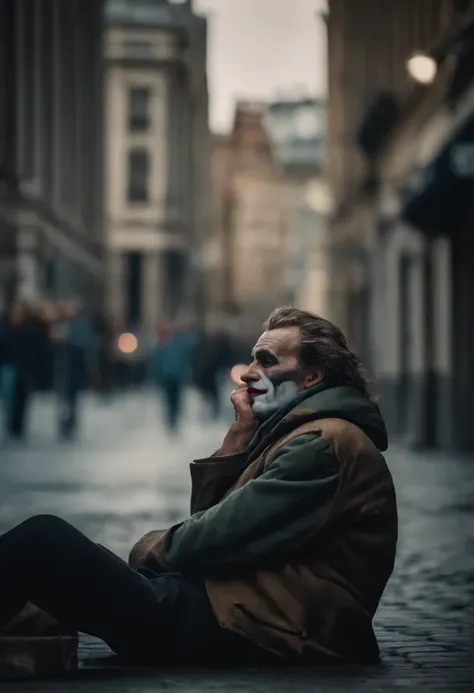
(442, 341)
(57, 115)
(27, 265)
(92, 104)
(463, 338)
(153, 290)
(172, 130)
(47, 117)
(377, 302)
(398, 319)
(115, 282)
(416, 336)
(11, 31)
(68, 162)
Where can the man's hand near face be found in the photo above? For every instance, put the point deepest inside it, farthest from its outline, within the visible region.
(244, 426)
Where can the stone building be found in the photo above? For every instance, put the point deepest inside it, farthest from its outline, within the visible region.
(218, 240)
(297, 128)
(249, 223)
(157, 158)
(401, 139)
(51, 149)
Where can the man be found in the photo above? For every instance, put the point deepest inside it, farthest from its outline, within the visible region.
(170, 368)
(24, 336)
(214, 354)
(8, 371)
(290, 543)
(75, 349)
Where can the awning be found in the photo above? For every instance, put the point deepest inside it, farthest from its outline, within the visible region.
(441, 193)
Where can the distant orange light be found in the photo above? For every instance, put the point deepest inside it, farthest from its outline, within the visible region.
(127, 343)
(236, 373)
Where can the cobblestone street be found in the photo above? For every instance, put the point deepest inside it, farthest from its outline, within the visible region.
(127, 476)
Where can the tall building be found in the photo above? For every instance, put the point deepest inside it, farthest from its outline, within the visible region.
(249, 225)
(51, 149)
(157, 159)
(297, 129)
(401, 143)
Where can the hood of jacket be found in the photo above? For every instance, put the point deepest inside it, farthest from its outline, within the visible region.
(326, 401)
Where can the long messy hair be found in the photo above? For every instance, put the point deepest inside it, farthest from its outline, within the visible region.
(322, 345)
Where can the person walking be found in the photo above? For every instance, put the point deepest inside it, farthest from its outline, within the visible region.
(171, 369)
(75, 359)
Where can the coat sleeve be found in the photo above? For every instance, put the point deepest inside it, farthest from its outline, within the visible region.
(260, 522)
(212, 477)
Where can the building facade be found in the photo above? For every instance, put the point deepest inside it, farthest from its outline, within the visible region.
(157, 159)
(51, 218)
(402, 173)
(297, 129)
(368, 46)
(249, 227)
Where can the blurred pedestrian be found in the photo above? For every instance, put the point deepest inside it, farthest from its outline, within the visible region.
(76, 352)
(8, 370)
(24, 339)
(171, 368)
(105, 362)
(215, 354)
(48, 314)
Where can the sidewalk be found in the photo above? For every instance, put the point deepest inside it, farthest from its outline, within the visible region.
(128, 477)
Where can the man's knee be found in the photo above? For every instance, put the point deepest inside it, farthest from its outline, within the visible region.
(44, 524)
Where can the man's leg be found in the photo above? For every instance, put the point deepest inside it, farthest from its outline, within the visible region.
(48, 562)
(178, 402)
(19, 406)
(171, 395)
(8, 377)
(73, 404)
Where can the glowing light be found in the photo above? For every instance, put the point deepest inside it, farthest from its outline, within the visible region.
(236, 373)
(422, 68)
(127, 343)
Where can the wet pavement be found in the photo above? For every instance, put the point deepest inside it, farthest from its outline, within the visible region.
(127, 476)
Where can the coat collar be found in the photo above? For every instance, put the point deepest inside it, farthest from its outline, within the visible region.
(285, 419)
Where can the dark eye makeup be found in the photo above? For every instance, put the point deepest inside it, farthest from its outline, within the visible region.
(266, 358)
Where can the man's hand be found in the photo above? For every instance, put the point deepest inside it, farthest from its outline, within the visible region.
(244, 426)
(244, 416)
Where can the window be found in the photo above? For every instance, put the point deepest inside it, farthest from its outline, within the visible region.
(306, 123)
(281, 128)
(139, 109)
(138, 174)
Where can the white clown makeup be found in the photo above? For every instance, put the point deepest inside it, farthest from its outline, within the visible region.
(271, 392)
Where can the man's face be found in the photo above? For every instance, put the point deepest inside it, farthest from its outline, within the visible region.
(275, 375)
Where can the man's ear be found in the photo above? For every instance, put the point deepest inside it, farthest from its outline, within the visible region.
(312, 379)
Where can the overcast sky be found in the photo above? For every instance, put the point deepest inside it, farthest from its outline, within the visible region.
(259, 48)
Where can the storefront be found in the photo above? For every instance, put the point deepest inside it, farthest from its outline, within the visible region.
(441, 205)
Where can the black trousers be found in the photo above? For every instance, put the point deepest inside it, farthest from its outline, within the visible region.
(158, 619)
(173, 391)
(20, 403)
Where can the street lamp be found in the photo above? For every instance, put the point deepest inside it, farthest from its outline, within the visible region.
(422, 68)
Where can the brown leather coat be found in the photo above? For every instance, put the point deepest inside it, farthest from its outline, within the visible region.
(319, 601)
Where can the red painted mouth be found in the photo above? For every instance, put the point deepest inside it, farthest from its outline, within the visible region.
(254, 392)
